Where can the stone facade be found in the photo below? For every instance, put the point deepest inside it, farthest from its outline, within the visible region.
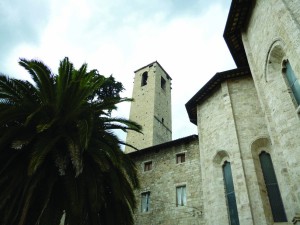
(151, 107)
(271, 45)
(161, 181)
(241, 114)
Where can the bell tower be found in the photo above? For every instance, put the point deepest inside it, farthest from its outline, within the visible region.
(151, 107)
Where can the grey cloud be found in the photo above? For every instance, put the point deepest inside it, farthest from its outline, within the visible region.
(21, 21)
(121, 13)
(192, 7)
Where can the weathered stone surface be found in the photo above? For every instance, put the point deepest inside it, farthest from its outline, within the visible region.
(163, 179)
(151, 108)
(273, 35)
(239, 119)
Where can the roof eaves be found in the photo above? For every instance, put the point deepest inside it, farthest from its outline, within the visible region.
(209, 87)
(168, 144)
(150, 64)
(236, 20)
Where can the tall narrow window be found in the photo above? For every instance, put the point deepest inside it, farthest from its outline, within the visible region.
(145, 201)
(272, 188)
(230, 195)
(163, 83)
(181, 196)
(293, 81)
(144, 78)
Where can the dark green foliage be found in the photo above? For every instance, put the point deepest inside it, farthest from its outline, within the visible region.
(58, 154)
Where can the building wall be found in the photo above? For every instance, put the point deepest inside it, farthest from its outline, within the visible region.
(273, 35)
(229, 121)
(162, 109)
(236, 122)
(162, 181)
(151, 105)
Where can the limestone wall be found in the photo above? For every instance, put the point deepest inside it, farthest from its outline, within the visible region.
(141, 109)
(162, 108)
(273, 35)
(151, 108)
(162, 181)
(228, 122)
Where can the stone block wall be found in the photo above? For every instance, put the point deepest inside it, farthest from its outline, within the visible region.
(162, 108)
(272, 36)
(229, 121)
(142, 109)
(151, 108)
(161, 181)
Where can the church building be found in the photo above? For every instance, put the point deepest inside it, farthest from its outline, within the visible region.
(243, 167)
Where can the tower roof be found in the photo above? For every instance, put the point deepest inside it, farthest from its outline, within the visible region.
(150, 64)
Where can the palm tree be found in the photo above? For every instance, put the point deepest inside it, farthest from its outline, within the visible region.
(58, 152)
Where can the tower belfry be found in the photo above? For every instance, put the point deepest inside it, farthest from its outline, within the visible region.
(151, 107)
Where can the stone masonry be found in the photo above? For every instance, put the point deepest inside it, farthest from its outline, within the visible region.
(240, 114)
(151, 107)
(161, 181)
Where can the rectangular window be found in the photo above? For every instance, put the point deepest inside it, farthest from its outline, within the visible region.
(145, 201)
(274, 195)
(163, 83)
(181, 196)
(180, 158)
(148, 166)
(293, 81)
(230, 195)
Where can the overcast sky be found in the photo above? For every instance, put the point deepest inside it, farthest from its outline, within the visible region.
(118, 37)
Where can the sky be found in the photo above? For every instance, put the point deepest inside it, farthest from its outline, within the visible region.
(117, 37)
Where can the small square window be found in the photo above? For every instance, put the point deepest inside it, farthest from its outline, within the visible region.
(145, 204)
(180, 158)
(181, 196)
(148, 166)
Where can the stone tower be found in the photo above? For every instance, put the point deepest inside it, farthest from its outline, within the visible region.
(151, 107)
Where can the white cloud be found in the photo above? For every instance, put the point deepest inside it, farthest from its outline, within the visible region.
(118, 38)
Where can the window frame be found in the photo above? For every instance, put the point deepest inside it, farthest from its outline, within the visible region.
(163, 83)
(291, 80)
(148, 166)
(181, 155)
(183, 195)
(145, 205)
(232, 210)
(272, 187)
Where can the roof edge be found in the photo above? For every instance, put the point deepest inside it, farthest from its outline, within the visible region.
(210, 86)
(165, 145)
(237, 18)
(150, 64)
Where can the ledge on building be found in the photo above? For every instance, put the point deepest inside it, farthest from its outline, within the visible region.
(168, 144)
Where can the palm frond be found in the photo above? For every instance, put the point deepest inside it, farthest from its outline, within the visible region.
(66, 159)
(42, 77)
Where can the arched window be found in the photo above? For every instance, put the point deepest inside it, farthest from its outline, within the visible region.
(275, 200)
(144, 78)
(292, 80)
(230, 195)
